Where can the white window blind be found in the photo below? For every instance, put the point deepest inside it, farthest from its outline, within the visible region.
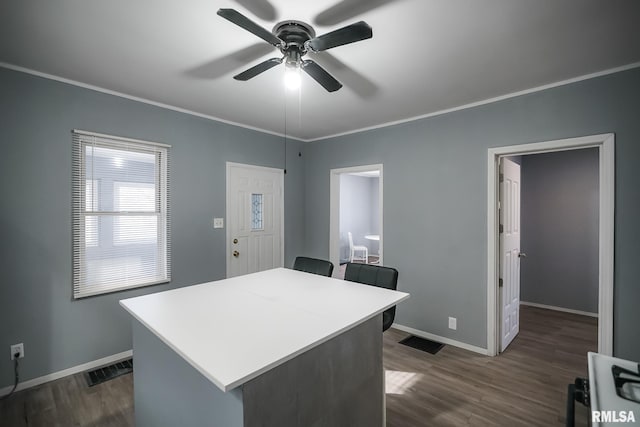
(120, 210)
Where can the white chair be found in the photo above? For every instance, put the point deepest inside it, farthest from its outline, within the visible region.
(357, 248)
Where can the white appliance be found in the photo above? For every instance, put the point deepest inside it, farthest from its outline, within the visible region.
(612, 392)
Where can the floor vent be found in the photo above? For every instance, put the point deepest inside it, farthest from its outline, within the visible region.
(422, 344)
(106, 373)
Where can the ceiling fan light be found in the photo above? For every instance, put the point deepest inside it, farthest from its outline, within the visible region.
(292, 78)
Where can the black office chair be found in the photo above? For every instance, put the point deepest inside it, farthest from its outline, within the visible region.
(375, 275)
(313, 265)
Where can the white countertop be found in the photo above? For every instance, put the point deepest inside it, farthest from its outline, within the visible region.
(235, 329)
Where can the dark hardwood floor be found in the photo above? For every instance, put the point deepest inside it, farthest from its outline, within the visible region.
(524, 386)
(70, 402)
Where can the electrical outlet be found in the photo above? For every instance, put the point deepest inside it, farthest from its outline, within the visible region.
(218, 222)
(453, 323)
(17, 349)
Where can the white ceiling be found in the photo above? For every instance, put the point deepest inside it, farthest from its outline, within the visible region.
(425, 55)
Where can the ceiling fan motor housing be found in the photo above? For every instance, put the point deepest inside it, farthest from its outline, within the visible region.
(294, 34)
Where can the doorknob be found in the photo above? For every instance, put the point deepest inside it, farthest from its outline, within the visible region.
(236, 254)
(522, 255)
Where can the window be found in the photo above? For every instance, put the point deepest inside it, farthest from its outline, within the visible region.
(120, 214)
(91, 203)
(134, 197)
(256, 212)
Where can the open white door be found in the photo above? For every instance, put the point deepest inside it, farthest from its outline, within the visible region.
(255, 207)
(510, 251)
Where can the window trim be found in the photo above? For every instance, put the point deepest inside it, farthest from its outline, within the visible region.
(81, 139)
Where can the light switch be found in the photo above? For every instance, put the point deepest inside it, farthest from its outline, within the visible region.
(218, 222)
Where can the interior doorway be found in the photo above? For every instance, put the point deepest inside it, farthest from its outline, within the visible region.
(605, 146)
(356, 218)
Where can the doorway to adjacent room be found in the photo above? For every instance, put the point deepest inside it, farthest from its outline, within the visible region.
(356, 216)
(499, 318)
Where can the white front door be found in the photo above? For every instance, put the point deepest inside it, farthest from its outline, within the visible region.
(255, 204)
(510, 251)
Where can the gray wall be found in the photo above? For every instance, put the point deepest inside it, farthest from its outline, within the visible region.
(515, 159)
(358, 211)
(435, 213)
(35, 220)
(560, 229)
(435, 205)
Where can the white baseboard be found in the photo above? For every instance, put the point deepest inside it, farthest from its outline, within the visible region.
(70, 371)
(443, 340)
(566, 310)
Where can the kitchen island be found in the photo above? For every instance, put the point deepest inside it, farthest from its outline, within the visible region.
(274, 348)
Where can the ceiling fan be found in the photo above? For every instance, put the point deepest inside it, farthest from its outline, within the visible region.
(295, 39)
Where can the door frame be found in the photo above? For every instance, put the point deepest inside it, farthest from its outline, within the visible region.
(280, 173)
(334, 210)
(606, 149)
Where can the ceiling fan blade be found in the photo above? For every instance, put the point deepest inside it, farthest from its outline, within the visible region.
(231, 62)
(351, 78)
(240, 20)
(348, 9)
(260, 8)
(257, 69)
(320, 75)
(345, 35)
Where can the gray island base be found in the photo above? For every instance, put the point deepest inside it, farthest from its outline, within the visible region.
(337, 383)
